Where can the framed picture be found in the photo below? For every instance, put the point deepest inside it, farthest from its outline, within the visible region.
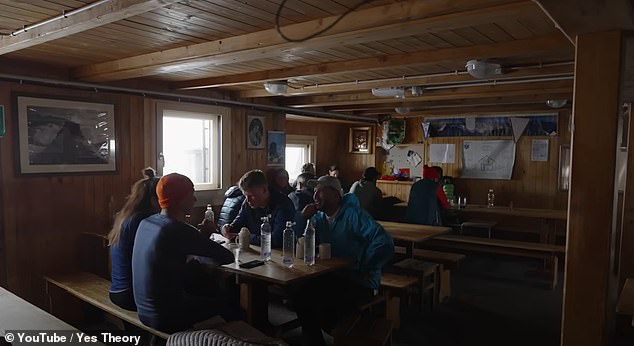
(276, 148)
(61, 136)
(255, 132)
(360, 141)
(564, 167)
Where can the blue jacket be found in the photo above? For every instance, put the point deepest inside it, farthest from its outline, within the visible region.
(281, 210)
(423, 208)
(354, 233)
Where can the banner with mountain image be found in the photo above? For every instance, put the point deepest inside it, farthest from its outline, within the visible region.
(492, 126)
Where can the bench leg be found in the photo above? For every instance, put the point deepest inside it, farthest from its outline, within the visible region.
(393, 309)
(445, 284)
(555, 272)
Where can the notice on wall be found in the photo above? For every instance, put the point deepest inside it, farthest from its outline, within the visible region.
(539, 150)
(442, 153)
(488, 159)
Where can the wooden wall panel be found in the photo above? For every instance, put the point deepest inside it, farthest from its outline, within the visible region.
(43, 216)
(332, 147)
(533, 185)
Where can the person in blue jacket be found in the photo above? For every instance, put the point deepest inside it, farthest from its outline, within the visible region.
(351, 232)
(260, 201)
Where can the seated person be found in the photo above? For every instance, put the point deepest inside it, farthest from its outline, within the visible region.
(442, 197)
(352, 233)
(231, 206)
(260, 201)
(159, 262)
(370, 197)
(141, 203)
(278, 181)
(333, 171)
(424, 206)
(308, 168)
(300, 198)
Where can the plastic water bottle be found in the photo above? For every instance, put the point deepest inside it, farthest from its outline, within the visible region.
(265, 239)
(491, 199)
(309, 244)
(209, 213)
(289, 245)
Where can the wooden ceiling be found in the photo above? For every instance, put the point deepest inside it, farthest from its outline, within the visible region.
(234, 45)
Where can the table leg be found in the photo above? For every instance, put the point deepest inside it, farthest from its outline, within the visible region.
(254, 300)
(409, 250)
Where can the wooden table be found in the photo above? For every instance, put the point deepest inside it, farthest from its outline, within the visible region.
(412, 233)
(18, 314)
(253, 288)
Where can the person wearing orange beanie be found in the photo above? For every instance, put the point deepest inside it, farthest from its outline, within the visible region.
(159, 262)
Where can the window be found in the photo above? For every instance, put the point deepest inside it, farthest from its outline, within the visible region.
(299, 150)
(190, 142)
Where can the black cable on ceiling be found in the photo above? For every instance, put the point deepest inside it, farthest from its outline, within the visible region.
(343, 15)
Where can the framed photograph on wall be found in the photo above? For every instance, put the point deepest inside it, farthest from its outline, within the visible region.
(360, 141)
(255, 132)
(276, 148)
(62, 136)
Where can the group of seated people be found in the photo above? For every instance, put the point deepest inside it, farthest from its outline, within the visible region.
(151, 244)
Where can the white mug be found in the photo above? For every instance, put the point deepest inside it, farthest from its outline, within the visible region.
(244, 238)
(324, 251)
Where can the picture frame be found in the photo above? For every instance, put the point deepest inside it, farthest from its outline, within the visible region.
(275, 148)
(256, 125)
(65, 136)
(360, 140)
(564, 167)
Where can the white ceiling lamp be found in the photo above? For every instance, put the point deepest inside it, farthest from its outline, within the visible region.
(417, 90)
(483, 69)
(277, 87)
(556, 103)
(402, 110)
(397, 92)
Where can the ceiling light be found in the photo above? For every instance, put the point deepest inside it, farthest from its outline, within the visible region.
(483, 69)
(417, 90)
(398, 92)
(402, 110)
(556, 103)
(278, 87)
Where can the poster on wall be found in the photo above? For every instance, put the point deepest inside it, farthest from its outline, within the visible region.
(497, 126)
(539, 150)
(488, 159)
(255, 132)
(442, 153)
(276, 148)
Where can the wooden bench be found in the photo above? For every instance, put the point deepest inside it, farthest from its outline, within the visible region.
(488, 225)
(625, 305)
(394, 287)
(448, 261)
(428, 275)
(547, 252)
(93, 290)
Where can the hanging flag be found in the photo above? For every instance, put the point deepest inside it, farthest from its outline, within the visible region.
(518, 125)
(425, 125)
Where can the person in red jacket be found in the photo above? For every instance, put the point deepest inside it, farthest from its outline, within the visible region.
(435, 173)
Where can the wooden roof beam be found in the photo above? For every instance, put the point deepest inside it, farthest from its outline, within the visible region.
(437, 79)
(432, 56)
(67, 25)
(399, 19)
(538, 88)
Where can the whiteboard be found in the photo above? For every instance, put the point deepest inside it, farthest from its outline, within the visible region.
(397, 158)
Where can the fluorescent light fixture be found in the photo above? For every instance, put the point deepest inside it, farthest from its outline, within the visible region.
(483, 69)
(398, 92)
(278, 87)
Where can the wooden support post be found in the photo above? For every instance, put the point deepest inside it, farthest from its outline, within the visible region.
(585, 318)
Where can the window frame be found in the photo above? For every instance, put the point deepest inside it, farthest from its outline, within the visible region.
(310, 141)
(206, 192)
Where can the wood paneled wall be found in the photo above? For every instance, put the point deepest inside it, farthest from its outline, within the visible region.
(332, 147)
(42, 216)
(533, 184)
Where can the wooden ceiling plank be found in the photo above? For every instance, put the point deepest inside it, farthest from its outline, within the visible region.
(302, 7)
(496, 50)
(171, 25)
(92, 18)
(493, 32)
(361, 26)
(231, 15)
(537, 88)
(514, 28)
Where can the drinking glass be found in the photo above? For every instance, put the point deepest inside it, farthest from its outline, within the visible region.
(235, 249)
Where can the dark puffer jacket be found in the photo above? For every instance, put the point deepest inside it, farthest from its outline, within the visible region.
(231, 206)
